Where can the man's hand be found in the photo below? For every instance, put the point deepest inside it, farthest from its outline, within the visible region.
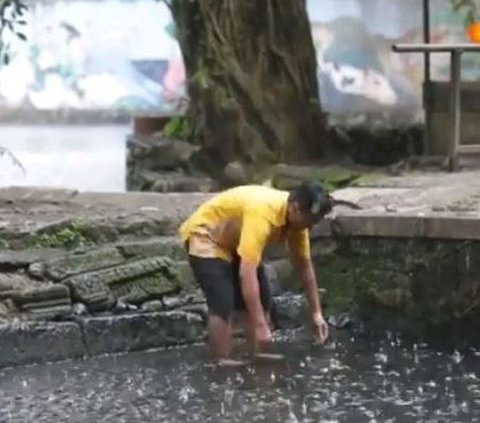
(320, 328)
(263, 336)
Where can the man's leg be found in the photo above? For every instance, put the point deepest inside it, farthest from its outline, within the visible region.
(240, 309)
(215, 278)
(219, 336)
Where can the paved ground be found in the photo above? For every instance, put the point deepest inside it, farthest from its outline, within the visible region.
(424, 204)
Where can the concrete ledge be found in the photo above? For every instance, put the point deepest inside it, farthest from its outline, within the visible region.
(136, 332)
(32, 342)
(431, 225)
(41, 342)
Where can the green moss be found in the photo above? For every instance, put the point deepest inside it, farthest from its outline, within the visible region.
(347, 280)
(69, 237)
(4, 244)
(331, 177)
(178, 127)
(367, 179)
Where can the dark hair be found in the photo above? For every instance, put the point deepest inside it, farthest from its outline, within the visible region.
(311, 198)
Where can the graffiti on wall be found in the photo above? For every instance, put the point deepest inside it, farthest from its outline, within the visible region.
(358, 71)
(123, 55)
(96, 55)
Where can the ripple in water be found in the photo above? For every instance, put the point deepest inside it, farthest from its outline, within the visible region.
(349, 380)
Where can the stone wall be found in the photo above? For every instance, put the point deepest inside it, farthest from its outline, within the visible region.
(80, 288)
(422, 287)
(90, 273)
(161, 164)
(140, 294)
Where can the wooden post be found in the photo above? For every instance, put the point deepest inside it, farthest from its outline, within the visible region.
(455, 109)
(426, 79)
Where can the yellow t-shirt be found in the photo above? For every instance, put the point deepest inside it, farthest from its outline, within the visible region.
(242, 220)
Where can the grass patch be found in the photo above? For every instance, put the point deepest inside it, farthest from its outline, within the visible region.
(69, 238)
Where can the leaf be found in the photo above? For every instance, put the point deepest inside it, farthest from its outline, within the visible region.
(457, 4)
(6, 59)
(470, 17)
(21, 36)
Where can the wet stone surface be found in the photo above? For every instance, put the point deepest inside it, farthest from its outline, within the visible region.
(348, 380)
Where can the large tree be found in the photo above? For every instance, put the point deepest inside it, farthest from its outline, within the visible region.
(252, 79)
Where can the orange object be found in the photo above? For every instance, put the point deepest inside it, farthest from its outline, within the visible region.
(474, 32)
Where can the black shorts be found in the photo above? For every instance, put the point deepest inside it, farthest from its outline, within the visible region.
(220, 283)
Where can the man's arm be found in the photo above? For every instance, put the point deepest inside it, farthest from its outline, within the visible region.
(299, 246)
(304, 268)
(251, 293)
(253, 238)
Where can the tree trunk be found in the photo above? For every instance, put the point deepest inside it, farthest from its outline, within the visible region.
(252, 80)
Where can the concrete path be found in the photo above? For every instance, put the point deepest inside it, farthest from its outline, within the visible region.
(433, 205)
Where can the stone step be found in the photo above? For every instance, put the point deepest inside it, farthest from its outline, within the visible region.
(111, 334)
(48, 313)
(39, 342)
(41, 294)
(38, 305)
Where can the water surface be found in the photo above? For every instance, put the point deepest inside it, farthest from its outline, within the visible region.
(349, 380)
(87, 158)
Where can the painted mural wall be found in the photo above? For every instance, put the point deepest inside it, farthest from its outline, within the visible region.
(122, 55)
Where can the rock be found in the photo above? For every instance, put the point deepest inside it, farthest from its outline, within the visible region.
(143, 280)
(44, 303)
(154, 305)
(177, 182)
(72, 264)
(285, 274)
(57, 312)
(79, 309)
(16, 281)
(199, 309)
(289, 311)
(272, 277)
(185, 277)
(89, 288)
(22, 259)
(135, 283)
(37, 271)
(135, 332)
(159, 153)
(340, 321)
(170, 303)
(160, 246)
(33, 342)
(234, 174)
(121, 307)
(5, 312)
(43, 294)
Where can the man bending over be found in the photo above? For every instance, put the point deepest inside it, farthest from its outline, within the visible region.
(225, 238)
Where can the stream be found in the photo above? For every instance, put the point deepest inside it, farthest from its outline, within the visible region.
(350, 379)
